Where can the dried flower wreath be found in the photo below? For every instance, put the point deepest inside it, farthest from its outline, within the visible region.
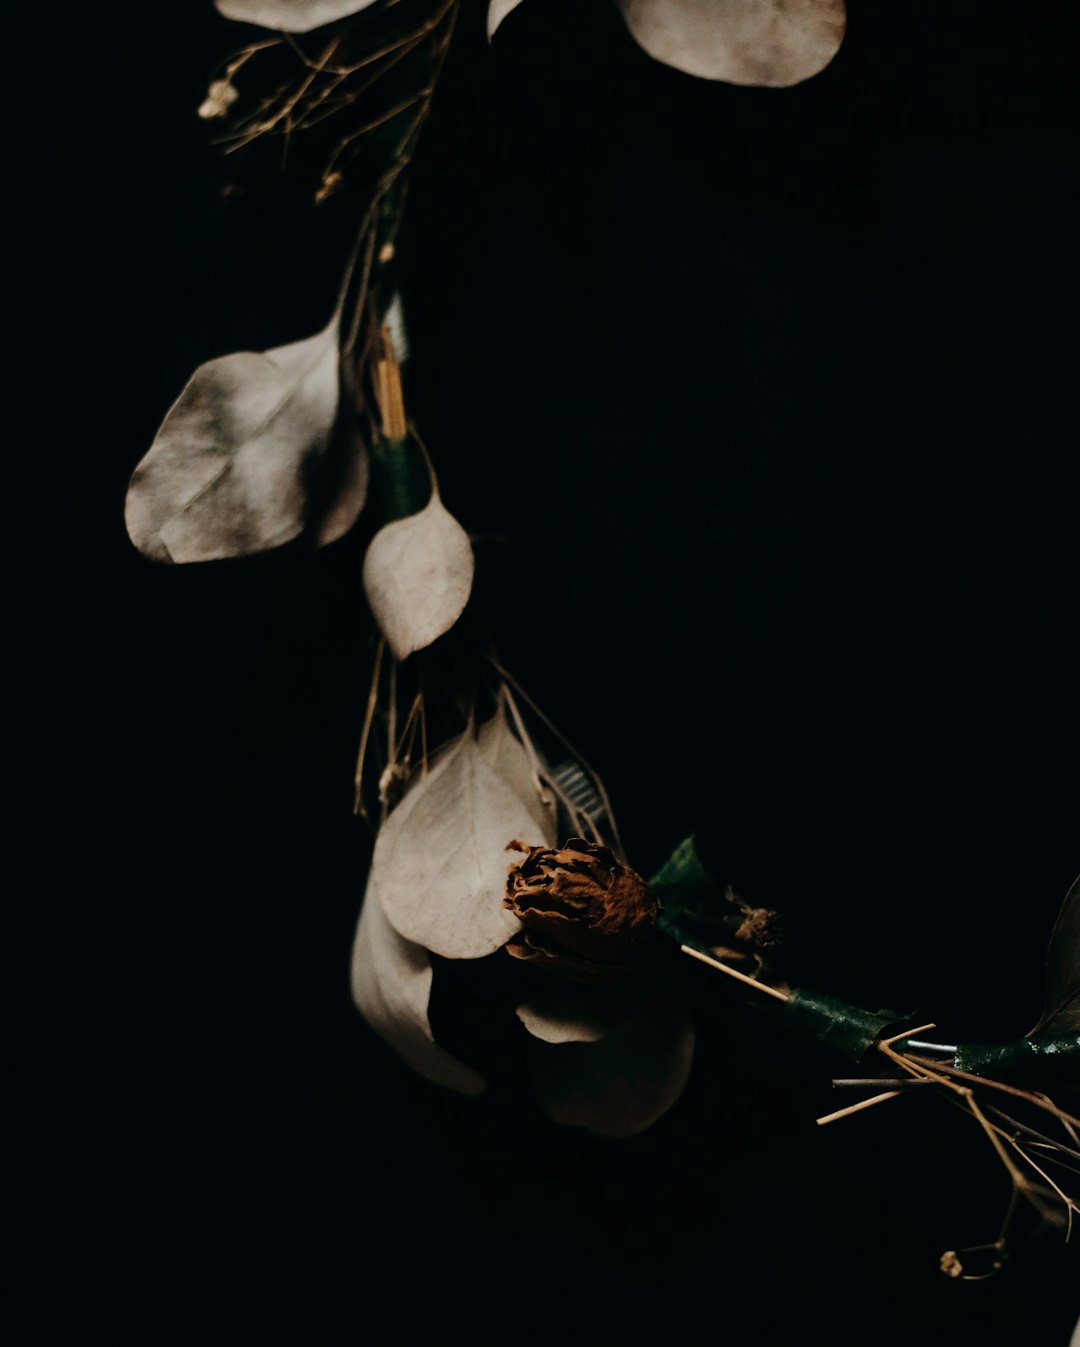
(469, 787)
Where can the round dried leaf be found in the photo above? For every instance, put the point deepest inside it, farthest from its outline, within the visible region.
(440, 858)
(774, 47)
(290, 16)
(391, 985)
(620, 1085)
(240, 463)
(566, 1012)
(418, 575)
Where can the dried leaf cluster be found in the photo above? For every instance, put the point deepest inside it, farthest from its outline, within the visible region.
(610, 1060)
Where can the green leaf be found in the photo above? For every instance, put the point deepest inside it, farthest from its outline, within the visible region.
(682, 884)
(683, 867)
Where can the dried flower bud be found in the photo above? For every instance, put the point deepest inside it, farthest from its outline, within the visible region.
(330, 185)
(584, 915)
(951, 1264)
(219, 99)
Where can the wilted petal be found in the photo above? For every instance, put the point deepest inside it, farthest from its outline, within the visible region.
(568, 1013)
(346, 494)
(241, 462)
(620, 1085)
(391, 985)
(440, 858)
(418, 575)
(291, 16)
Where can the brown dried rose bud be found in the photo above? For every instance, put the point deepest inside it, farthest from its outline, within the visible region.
(584, 915)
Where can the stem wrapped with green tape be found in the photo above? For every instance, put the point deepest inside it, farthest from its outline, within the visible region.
(401, 476)
(844, 1028)
(1027, 1058)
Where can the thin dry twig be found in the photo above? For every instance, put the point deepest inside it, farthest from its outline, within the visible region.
(994, 1134)
(858, 1108)
(601, 789)
(1038, 1100)
(365, 734)
(1031, 1132)
(774, 992)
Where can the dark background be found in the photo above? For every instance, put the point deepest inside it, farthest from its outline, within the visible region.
(761, 402)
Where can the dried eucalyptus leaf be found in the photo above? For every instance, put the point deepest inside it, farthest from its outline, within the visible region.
(754, 45)
(234, 468)
(346, 494)
(1061, 1010)
(621, 1085)
(440, 858)
(391, 985)
(567, 1012)
(497, 11)
(290, 16)
(418, 575)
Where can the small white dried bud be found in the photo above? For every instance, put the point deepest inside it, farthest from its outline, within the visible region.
(392, 782)
(394, 318)
(330, 184)
(951, 1264)
(219, 98)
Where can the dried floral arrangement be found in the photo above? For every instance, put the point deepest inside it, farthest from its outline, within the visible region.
(495, 841)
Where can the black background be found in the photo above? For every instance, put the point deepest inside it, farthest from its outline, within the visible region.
(767, 395)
